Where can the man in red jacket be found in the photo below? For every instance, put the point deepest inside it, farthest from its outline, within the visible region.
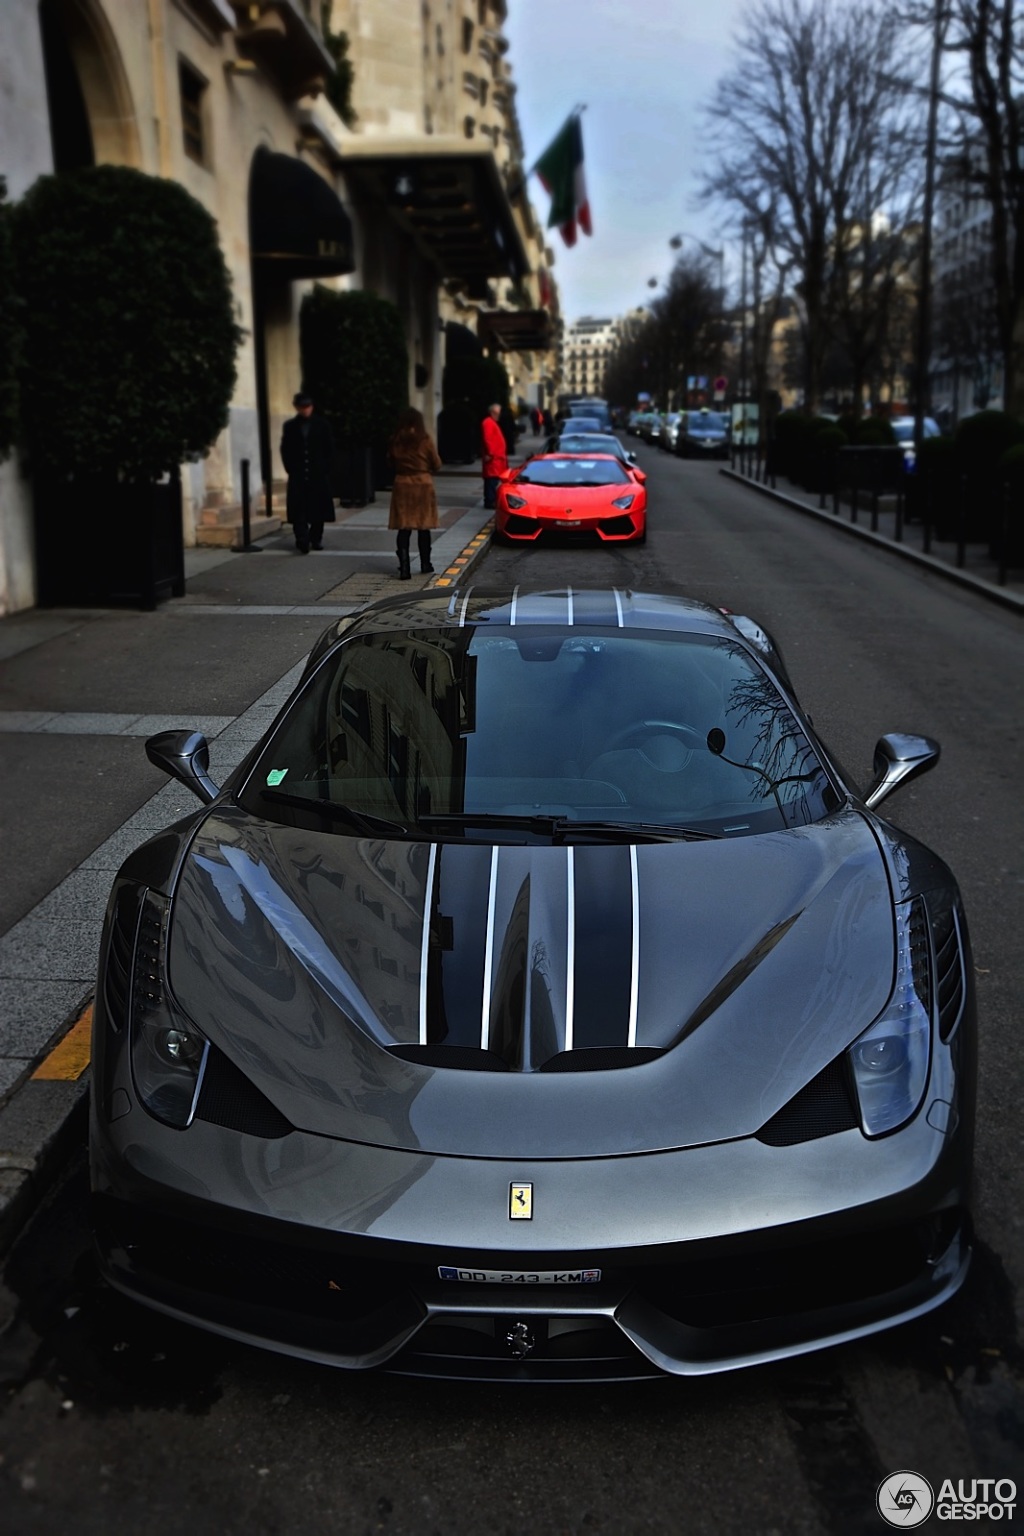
(494, 453)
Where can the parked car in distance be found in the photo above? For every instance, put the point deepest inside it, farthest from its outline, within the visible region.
(703, 434)
(649, 426)
(592, 442)
(903, 428)
(591, 405)
(580, 424)
(670, 431)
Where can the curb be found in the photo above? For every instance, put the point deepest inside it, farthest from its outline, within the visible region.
(463, 563)
(1014, 601)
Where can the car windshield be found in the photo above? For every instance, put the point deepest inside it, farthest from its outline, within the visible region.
(482, 732)
(712, 422)
(604, 470)
(590, 442)
(581, 424)
(903, 428)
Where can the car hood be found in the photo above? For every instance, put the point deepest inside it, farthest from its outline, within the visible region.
(355, 980)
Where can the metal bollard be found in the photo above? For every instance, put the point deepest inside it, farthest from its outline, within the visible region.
(247, 547)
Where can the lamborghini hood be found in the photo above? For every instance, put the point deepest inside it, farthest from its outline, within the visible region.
(513, 1001)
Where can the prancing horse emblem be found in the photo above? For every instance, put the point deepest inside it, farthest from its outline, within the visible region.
(520, 1202)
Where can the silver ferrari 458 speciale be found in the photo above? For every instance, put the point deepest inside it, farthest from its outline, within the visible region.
(538, 999)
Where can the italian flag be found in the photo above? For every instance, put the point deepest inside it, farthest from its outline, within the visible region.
(560, 169)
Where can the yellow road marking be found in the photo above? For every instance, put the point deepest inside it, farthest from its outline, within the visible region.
(454, 570)
(69, 1059)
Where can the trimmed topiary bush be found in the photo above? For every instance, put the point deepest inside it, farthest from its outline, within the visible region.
(826, 443)
(874, 432)
(11, 311)
(477, 382)
(355, 364)
(1011, 471)
(789, 443)
(981, 440)
(130, 336)
(934, 487)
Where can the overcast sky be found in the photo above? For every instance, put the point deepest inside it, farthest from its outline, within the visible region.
(643, 71)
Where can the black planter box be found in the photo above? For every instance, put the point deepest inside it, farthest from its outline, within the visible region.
(353, 476)
(458, 435)
(383, 469)
(109, 543)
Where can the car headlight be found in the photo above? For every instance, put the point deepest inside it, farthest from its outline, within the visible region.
(514, 501)
(624, 502)
(890, 1060)
(168, 1052)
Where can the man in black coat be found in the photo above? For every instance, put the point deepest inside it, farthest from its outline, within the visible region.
(307, 452)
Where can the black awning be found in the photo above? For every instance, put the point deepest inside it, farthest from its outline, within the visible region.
(517, 330)
(450, 198)
(297, 226)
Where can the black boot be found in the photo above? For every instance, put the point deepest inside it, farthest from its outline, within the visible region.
(423, 539)
(402, 550)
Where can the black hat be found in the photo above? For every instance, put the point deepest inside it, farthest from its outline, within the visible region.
(300, 400)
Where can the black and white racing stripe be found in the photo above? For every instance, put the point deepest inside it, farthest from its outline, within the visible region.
(530, 952)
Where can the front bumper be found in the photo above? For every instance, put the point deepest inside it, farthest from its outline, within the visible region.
(331, 1251)
(610, 528)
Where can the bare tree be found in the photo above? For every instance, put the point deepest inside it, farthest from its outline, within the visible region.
(682, 335)
(810, 124)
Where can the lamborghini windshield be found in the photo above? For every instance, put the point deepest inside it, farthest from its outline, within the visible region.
(602, 469)
(516, 733)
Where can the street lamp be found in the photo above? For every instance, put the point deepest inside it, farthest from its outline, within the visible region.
(709, 250)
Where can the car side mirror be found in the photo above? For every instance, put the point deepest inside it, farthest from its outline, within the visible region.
(640, 476)
(185, 756)
(898, 759)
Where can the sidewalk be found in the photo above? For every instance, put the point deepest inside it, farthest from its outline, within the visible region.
(80, 690)
(979, 572)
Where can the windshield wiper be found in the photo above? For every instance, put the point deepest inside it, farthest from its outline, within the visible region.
(660, 832)
(558, 827)
(334, 810)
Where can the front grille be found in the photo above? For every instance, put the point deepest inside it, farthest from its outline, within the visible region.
(783, 1282)
(616, 527)
(232, 1266)
(515, 523)
(563, 1349)
(824, 1107)
(228, 1098)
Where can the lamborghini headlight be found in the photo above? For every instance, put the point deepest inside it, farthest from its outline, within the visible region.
(168, 1052)
(890, 1060)
(515, 502)
(624, 502)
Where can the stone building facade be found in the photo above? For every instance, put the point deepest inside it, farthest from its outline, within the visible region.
(412, 201)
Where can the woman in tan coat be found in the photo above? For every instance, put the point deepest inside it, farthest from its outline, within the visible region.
(413, 499)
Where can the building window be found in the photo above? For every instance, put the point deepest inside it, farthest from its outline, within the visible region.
(193, 95)
(469, 126)
(467, 35)
(482, 87)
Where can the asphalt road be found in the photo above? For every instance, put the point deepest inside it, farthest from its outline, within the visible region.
(115, 1419)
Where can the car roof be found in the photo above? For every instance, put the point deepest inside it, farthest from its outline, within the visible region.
(568, 607)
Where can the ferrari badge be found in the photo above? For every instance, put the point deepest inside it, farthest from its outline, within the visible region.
(520, 1202)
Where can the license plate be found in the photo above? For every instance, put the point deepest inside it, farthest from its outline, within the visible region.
(569, 522)
(520, 1276)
